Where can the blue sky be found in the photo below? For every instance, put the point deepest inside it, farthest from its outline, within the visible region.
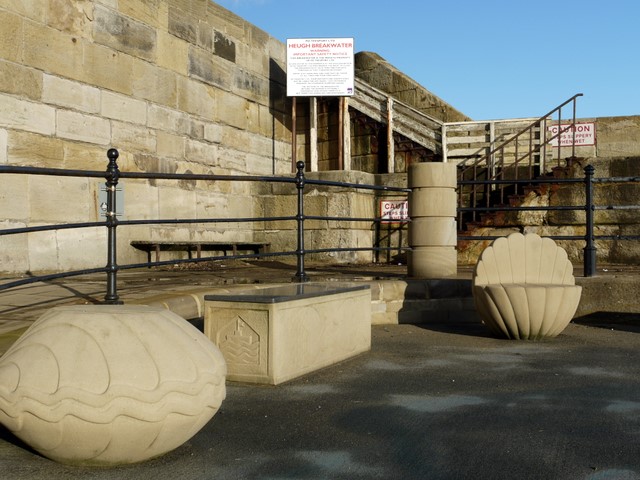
(492, 59)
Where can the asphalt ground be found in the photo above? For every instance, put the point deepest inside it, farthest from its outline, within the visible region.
(427, 402)
(433, 401)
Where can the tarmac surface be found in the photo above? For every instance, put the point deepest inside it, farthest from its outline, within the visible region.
(431, 401)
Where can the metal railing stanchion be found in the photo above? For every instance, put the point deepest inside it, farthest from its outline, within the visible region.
(112, 175)
(590, 248)
(300, 275)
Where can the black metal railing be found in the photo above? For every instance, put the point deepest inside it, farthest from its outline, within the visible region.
(507, 161)
(113, 175)
(590, 250)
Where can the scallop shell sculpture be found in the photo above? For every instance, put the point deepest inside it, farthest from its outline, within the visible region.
(109, 384)
(524, 288)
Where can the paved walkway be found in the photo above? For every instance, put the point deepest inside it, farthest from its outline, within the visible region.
(437, 401)
(21, 306)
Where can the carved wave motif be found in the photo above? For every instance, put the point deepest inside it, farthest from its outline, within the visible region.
(242, 345)
(109, 384)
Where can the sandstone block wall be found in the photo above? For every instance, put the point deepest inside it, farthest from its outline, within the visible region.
(175, 85)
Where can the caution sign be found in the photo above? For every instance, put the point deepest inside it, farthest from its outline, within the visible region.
(585, 134)
(394, 211)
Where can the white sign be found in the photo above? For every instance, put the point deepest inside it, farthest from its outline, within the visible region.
(394, 211)
(320, 67)
(585, 134)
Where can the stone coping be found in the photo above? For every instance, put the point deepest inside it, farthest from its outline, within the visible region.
(285, 293)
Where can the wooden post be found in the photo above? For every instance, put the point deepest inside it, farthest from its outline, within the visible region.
(340, 135)
(346, 134)
(444, 143)
(294, 142)
(391, 154)
(313, 133)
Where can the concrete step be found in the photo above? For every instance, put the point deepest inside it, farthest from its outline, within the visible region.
(421, 301)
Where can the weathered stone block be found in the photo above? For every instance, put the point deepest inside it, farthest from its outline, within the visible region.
(42, 251)
(20, 80)
(35, 150)
(121, 107)
(154, 13)
(61, 199)
(197, 98)
(202, 153)
(618, 136)
(4, 146)
(12, 29)
(71, 17)
(70, 242)
(176, 203)
(104, 67)
(181, 25)
(224, 47)
(134, 138)
(67, 93)
(123, 34)
(202, 65)
(167, 119)
(81, 156)
(33, 9)
(170, 145)
(14, 203)
(141, 200)
(14, 255)
(23, 115)
(59, 53)
(86, 128)
(231, 109)
(155, 84)
(172, 53)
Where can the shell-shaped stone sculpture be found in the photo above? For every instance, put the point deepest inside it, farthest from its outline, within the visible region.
(109, 384)
(524, 288)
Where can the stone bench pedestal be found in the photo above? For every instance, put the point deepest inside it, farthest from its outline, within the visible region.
(276, 334)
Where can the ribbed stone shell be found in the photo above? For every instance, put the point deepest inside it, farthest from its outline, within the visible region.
(524, 288)
(109, 384)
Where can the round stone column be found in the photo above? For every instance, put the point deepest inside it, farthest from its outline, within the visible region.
(432, 209)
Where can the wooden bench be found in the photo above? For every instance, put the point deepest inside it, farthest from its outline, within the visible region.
(150, 246)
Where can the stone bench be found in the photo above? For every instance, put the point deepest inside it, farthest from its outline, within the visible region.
(524, 288)
(275, 334)
(150, 246)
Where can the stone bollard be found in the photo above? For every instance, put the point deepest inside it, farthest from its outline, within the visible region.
(432, 209)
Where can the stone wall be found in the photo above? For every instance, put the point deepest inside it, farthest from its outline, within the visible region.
(615, 137)
(175, 85)
(607, 222)
(376, 71)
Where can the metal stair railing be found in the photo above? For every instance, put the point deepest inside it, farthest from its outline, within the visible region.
(407, 121)
(507, 157)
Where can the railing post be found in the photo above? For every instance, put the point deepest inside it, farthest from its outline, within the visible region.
(112, 174)
(590, 248)
(300, 275)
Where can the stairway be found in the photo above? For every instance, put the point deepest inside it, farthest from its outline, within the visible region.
(404, 119)
(498, 152)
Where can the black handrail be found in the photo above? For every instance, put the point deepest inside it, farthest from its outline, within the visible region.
(590, 249)
(496, 170)
(113, 175)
